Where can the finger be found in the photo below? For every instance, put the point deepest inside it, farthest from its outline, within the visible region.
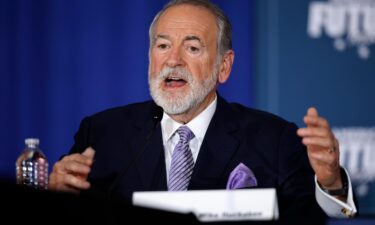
(314, 132)
(312, 111)
(59, 168)
(89, 153)
(79, 158)
(70, 190)
(75, 182)
(325, 143)
(78, 168)
(312, 118)
(71, 167)
(315, 121)
(57, 182)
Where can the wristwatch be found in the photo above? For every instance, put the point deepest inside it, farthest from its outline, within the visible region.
(341, 191)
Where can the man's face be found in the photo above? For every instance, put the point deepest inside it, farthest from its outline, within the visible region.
(183, 70)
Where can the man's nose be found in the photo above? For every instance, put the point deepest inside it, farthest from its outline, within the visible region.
(175, 58)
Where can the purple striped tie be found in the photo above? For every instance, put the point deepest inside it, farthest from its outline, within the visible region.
(182, 161)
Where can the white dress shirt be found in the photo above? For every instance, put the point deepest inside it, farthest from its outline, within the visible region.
(334, 207)
(199, 125)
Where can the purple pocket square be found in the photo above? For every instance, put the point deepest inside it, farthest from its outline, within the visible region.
(241, 177)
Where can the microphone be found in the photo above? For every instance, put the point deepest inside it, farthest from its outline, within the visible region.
(156, 117)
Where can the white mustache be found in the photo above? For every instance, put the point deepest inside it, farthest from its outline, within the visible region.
(180, 73)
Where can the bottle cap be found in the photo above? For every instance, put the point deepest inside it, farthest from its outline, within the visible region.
(32, 141)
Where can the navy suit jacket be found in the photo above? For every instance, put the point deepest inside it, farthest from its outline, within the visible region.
(130, 155)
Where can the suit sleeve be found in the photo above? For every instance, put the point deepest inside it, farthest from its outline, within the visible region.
(296, 190)
(82, 138)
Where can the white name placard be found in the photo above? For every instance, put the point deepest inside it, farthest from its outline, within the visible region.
(215, 205)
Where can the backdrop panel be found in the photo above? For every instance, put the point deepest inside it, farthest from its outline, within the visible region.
(321, 53)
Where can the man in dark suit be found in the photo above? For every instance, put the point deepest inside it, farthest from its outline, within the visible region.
(132, 148)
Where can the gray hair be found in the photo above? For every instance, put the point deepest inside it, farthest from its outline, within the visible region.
(224, 36)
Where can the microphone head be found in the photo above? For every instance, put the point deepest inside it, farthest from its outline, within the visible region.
(158, 113)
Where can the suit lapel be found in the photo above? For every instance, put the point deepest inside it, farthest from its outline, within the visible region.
(150, 166)
(218, 147)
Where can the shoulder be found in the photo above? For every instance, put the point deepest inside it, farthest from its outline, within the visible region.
(247, 116)
(135, 113)
(132, 110)
(256, 114)
(253, 125)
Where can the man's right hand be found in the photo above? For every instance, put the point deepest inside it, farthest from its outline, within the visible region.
(70, 173)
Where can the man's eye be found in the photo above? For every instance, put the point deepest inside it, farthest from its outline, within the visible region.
(193, 49)
(162, 46)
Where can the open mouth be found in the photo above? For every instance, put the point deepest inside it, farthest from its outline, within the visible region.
(174, 81)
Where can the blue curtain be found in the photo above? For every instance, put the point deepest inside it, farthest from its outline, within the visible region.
(61, 60)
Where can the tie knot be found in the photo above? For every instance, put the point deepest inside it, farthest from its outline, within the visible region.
(185, 133)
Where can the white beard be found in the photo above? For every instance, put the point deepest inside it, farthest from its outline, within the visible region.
(180, 102)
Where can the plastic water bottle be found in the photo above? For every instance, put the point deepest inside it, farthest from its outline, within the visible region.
(32, 166)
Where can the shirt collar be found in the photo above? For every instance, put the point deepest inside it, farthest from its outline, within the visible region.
(197, 125)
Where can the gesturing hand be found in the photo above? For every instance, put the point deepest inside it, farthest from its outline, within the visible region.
(70, 173)
(322, 148)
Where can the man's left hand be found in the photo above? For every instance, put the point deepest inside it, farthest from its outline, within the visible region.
(322, 148)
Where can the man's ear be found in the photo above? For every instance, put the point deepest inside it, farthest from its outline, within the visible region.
(226, 66)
